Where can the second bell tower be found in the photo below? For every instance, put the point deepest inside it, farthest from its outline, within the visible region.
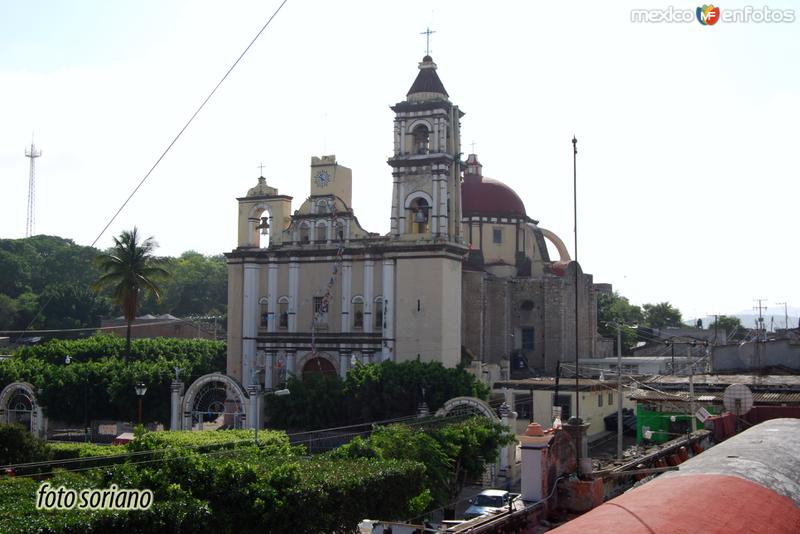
(426, 194)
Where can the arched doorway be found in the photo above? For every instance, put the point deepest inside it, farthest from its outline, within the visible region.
(318, 365)
(214, 402)
(18, 406)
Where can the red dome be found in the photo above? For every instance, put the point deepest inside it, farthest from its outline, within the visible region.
(484, 196)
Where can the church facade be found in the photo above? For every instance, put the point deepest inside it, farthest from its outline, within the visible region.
(463, 270)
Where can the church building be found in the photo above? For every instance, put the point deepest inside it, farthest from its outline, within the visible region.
(464, 272)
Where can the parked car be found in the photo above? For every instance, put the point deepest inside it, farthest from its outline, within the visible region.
(489, 501)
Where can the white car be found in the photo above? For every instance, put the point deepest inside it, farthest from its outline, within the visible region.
(488, 502)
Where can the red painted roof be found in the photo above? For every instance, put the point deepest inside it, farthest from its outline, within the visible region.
(692, 503)
(484, 196)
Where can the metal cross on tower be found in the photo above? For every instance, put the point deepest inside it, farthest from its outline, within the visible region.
(261, 168)
(30, 222)
(427, 33)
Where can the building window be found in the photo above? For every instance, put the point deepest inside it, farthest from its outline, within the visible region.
(611, 399)
(497, 236)
(358, 313)
(340, 231)
(379, 313)
(283, 313)
(320, 311)
(322, 233)
(600, 400)
(527, 338)
(263, 313)
(304, 234)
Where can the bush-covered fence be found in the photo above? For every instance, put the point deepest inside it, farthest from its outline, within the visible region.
(97, 384)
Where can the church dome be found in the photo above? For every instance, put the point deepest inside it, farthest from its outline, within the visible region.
(485, 196)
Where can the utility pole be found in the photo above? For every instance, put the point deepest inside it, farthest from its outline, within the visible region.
(761, 317)
(785, 316)
(575, 220)
(619, 391)
(691, 387)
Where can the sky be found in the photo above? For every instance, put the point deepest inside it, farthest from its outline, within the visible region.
(687, 134)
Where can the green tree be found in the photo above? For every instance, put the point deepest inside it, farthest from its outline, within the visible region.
(661, 315)
(731, 325)
(616, 309)
(130, 269)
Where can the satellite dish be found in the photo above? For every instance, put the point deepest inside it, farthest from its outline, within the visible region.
(738, 399)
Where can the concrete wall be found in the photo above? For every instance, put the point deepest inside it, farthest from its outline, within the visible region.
(756, 355)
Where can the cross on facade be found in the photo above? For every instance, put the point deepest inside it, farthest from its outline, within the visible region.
(427, 33)
(472, 144)
(261, 168)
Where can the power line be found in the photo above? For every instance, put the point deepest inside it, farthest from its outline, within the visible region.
(169, 147)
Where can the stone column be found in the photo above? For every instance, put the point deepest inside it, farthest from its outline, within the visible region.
(253, 419)
(249, 321)
(576, 428)
(347, 283)
(290, 363)
(534, 446)
(294, 290)
(176, 396)
(388, 309)
(272, 297)
(369, 283)
(269, 364)
(344, 360)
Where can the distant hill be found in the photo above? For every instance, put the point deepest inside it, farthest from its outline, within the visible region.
(773, 318)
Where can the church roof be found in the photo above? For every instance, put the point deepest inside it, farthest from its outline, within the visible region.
(261, 189)
(427, 80)
(484, 196)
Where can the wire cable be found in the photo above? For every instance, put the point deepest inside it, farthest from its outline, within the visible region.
(169, 147)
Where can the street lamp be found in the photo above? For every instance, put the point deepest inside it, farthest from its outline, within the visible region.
(67, 361)
(141, 389)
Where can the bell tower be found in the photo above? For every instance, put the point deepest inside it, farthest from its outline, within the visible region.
(422, 267)
(426, 196)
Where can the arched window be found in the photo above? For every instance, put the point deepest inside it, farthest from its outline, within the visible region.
(283, 313)
(379, 313)
(304, 233)
(358, 313)
(340, 231)
(421, 140)
(322, 206)
(322, 232)
(420, 214)
(263, 313)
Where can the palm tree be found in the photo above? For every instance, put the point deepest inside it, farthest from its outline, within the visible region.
(130, 269)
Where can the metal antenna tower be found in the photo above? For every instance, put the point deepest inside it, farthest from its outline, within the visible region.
(30, 222)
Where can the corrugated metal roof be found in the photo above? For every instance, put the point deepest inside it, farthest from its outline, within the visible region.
(683, 396)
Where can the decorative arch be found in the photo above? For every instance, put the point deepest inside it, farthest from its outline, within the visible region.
(467, 405)
(18, 405)
(563, 253)
(419, 122)
(207, 387)
(320, 362)
(415, 195)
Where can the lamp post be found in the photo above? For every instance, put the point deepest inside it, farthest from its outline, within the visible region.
(67, 361)
(141, 389)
